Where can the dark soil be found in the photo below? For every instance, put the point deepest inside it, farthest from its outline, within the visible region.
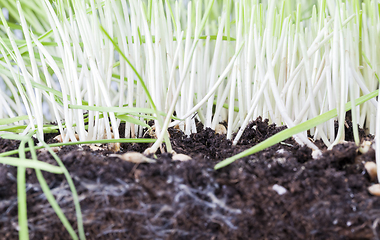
(326, 198)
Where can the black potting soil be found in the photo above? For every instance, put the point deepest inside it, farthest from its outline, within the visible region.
(279, 193)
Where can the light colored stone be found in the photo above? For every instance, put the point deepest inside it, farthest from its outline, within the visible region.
(371, 169)
(279, 189)
(374, 189)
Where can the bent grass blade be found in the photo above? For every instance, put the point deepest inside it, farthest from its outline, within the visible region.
(101, 141)
(132, 120)
(287, 133)
(5, 121)
(22, 163)
(26, 163)
(49, 196)
(150, 99)
(74, 195)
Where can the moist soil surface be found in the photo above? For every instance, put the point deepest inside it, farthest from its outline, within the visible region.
(278, 193)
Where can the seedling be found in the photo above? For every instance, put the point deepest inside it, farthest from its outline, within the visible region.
(91, 65)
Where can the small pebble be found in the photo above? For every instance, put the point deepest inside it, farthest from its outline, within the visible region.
(181, 157)
(279, 189)
(374, 189)
(220, 129)
(371, 169)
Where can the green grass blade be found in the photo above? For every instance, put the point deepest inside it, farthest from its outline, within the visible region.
(101, 141)
(146, 117)
(132, 120)
(115, 109)
(13, 129)
(21, 128)
(21, 192)
(12, 136)
(150, 99)
(287, 133)
(13, 120)
(49, 196)
(129, 110)
(131, 66)
(27, 163)
(73, 190)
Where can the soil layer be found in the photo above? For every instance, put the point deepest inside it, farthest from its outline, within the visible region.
(278, 193)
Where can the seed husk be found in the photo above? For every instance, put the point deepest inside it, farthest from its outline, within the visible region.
(365, 146)
(371, 169)
(220, 129)
(115, 147)
(134, 157)
(59, 138)
(44, 150)
(181, 157)
(374, 189)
